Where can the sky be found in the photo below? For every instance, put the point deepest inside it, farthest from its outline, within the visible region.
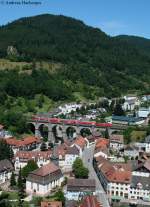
(114, 17)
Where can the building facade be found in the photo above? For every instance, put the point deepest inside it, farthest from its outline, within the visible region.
(43, 180)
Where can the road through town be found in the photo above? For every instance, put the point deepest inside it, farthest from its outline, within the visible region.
(87, 160)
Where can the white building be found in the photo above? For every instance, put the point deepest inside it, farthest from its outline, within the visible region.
(40, 157)
(77, 188)
(120, 182)
(140, 184)
(71, 154)
(131, 152)
(146, 97)
(115, 178)
(6, 169)
(41, 181)
(143, 112)
(67, 108)
(144, 146)
(130, 103)
(116, 142)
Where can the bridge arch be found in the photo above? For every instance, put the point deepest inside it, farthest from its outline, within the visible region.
(85, 131)
(57, 131)
(43, 131)
(71, 132)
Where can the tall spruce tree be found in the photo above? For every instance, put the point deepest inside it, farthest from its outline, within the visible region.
(20, 189)
(12, 180)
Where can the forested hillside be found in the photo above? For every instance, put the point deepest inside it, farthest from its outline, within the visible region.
(90, 58)
(56, 58)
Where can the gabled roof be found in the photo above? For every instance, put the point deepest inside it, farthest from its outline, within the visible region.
(80, 141)
(90, 201)
(73, 182)
(73, 150)
(5, 165)
(46, 170)
(22, 142)
(61, 150)
(27, 155)
(116, 172)
(101, 142)
(116, 138)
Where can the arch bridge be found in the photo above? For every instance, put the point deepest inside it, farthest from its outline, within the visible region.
(62, 125)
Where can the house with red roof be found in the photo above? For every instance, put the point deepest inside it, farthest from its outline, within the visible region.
(67, 155)
(116, 142)
(43, 180)
(115, 178)
(21, 158)
(90, 201)
(81, 143)
(101, 147)
(28, 143)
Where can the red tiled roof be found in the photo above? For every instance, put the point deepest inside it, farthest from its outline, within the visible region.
(115, 172)
(51, 204)
(116, 138)
(101, 143)
(26, 141)
(46, 169)
(61, 149)
(80, 141)
(73, 150)
(90, 201)
(27, 155)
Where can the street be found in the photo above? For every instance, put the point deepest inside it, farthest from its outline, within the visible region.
(87, 160)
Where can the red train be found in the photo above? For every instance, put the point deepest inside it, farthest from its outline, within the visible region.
(70, 122)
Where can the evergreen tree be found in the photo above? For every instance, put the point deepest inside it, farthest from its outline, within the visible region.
(106, 133)
(12, 180)
(20, 189)
(31, 165)
(6, 151)
(118, 111)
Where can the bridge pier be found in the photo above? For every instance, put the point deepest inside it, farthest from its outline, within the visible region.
(51, 137)
(64, 134)
(37, 132)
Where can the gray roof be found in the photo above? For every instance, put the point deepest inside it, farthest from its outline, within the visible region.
(6, 165)
(83, 185)
(139, 180)
(126, 118)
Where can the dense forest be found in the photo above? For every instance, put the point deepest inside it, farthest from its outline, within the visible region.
(112, 65)
(91, 64)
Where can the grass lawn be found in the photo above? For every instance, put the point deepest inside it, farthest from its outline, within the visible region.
(138, 135)
(13, 195)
